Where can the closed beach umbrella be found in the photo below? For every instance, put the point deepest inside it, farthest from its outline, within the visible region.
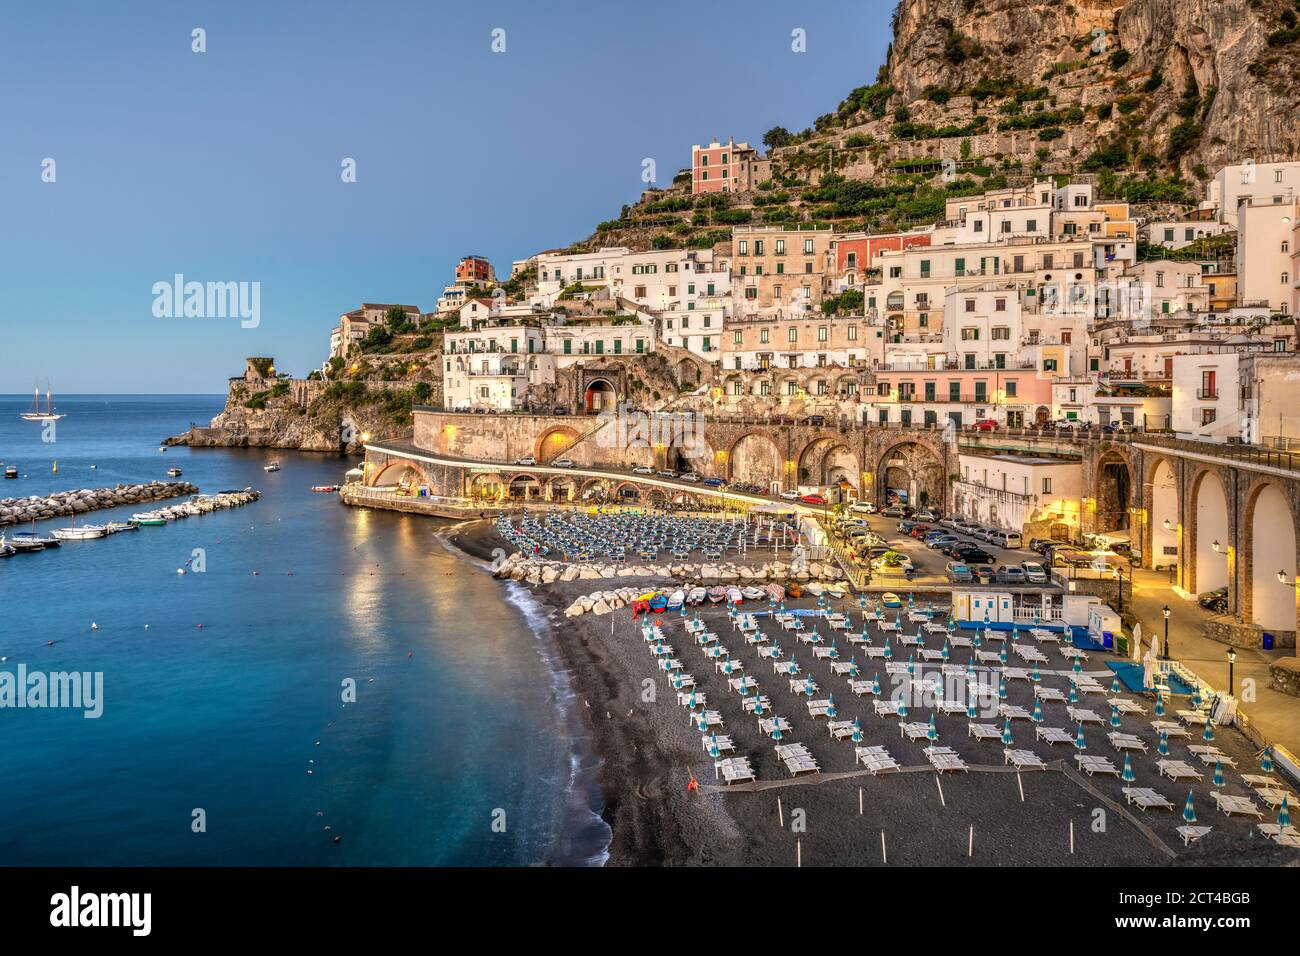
(1002, 654)
(902, 707)
(1128, 776)
(970, 671)
(1162, 747)
(830, 705)
(1006, 732)
(889, 652)
(875, 684)
(703, 724)
(691, 700)
(1284, 815)
(944, 652)
(1002, 687)
(776, 728)
(726, 667)
(866, 638)
(713, 745)
(834, 651)
(1079, 742)
(1034, 675)
(1266, 760)
(931, 732)
(758, 707)
(911, 665)
(1037, 715)
(1208, 733)
(1218, 773)
(677, 681)
(808, 688)
(857, 732)
(1114, 716)
(1078, 664)
(1074, 693)
(971, 710)
(1189, 811)
(1115, 687)
(975, 641)
(1160, 704)
(853, 667)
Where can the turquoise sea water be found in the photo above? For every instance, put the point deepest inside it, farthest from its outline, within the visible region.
(461, 717)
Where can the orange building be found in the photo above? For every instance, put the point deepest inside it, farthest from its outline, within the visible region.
(474, 270)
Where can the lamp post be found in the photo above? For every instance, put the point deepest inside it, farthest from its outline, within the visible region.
(1166, 612)
(1232, 659)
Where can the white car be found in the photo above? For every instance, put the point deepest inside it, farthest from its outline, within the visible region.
(526, 460)
(790, 495)
(563, 463)
(1035, 573)
(690, 476)
(1069, 424)
(643, 470)
(864, 508)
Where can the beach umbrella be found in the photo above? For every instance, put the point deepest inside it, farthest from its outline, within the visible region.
(970, 670)
(866, 638)
(1002, 687)
(1078, 664)
(1006, 732)
(834, 651)
(932, 732)
(902, 708)
(971, 710)
(976, 641)
(853, 667)
(726, 668)
(1037, 715)
(1284, 814)
(691, 700)
(1266, 759)
(808, 688)
(1079, 742)
(1160, 704)
(758, 707)
(1217, 779)
(1034, 675)
(889, 653)
(857, 732)
(1114, 716)
(776, 728)
(830, 706)
(1115, 687)
(944, 652)
(875, 684)
(703, 724)
(744, 689)
(1074, 693)
(677, 681)
(1002, 654)
(1162, 747)
(911, 665)
(1128, 776)
(713, 745)
(1189, 811)
(1208, 734)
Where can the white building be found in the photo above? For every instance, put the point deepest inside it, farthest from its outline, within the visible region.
(1178, 233)
(1265, 182)
(1038, 497)
(1265, 231)
(982, 326)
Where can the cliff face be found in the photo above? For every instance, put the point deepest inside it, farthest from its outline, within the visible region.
(1235, 55)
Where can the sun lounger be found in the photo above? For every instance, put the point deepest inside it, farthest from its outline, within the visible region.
(768, 724)
(1191, 834)
(1126, 741)
(1044, 636)
(801, 765)
(889, 627)
(723, 742)
(876, 759)
(945, 760)
(929, 654)
(662, 650)
(861, 687)
(785, 667)
(1145, 798)
(1023, 759)
(983, 731)
(874, 652)
(1017, 673)
(749, 703)
(950, 706)
(1279, 834)
(1081, 715)
(1209, 755)
(733, 770)
(1273, 796)
(1091, 764)
(934, 627)
(1178, 770)
(1013, 712)
(799, 686)
(819, 708)
(1259, 780)
(1230, 804)
(810, 637)
(1169, 728)
(738, 684)
(914, 731)
(1054, 735)
(1070, 652)
(856, 638)
(958, 641)
(885, 708)
(1029, 654)
(756, 637)
(769, 653)
(728, 666)
(1192, 718)
(685, 700)
(839, 729)
(1126, 706)
(1049, 693)
(786, 751)
(841, 667)
(987, 657)
(669, 664)
(825, 653)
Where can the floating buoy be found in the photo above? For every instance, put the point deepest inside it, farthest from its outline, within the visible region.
(94, 626)
(318, 743)
(199, 626)
(338, 839)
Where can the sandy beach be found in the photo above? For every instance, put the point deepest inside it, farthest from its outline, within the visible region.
(649, 749)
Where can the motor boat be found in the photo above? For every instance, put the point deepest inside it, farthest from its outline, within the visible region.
(114, 527)
(30, 541)
(753, 593)
(324, 489)
(148, 518)
(273, 466)
(717, 594)
(676, 600)
(11, 471)
(734, 595)
(80, 533)
(174, 472)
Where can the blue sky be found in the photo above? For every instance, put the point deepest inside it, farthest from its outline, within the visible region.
(225, 166)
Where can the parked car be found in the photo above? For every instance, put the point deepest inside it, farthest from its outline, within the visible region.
(1069, 424)
(643, 470)
(905, 526)
(919, 530)
(666, 473)
(561, 410)
(714, 482)
(983, 573)
(563, 463)
(1007, 539)
(790, 495)
(927, 515)
(1120, 427)
(864, 508)
(1035, 573)
(1216, 602)
(958, 573)
(941, 542)
(1011, 574)
(1062, 557)
(985, 425)
(974, 556)
(691, 477)
(895, 511)
(814, 420)
(813, 500)
(526, 460)
(958, 544)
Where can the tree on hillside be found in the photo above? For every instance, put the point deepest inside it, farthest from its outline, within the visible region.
(777, 136)
(395, 318)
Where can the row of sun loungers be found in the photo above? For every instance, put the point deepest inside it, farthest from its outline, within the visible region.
(1093, 764)
(797, 759)
(945, 759)
(1023, 759)
(876, 759)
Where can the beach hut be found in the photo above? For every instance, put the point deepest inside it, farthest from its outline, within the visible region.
(1079, 742)
(1266, 759)
(1128, 776)
(1006, 732)
(1218, 773)
(1189, 811)
(1208, 733)
(1162, 746)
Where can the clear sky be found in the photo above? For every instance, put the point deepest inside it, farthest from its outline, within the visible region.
(226, 165)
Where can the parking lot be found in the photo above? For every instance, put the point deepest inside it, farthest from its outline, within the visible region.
(929, 564)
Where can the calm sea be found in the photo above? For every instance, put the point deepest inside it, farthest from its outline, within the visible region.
(461, 746)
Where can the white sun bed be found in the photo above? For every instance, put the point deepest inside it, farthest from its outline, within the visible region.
(1126, 706)
(1122, 741)
(1191, 834)
(945, 760)
(1145, 798)
(724, 743)
(860, 687)
(983, 731)
(876, 759)
(1209, 755)
(1082, 715)
(1230, 804)
(1023, 759)
(1049, 693)
(733, 770)
(1054, 735)
(885, 708)
(1169, 728)
(1273, 796)
(1092, 764)
(749, 703)
(1178, 770)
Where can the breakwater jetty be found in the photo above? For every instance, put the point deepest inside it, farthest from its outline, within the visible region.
(38, 508)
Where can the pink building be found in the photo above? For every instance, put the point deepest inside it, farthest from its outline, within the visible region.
(725, 167)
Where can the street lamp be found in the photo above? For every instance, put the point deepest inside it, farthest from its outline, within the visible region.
(1166, 612)
(1232, 658)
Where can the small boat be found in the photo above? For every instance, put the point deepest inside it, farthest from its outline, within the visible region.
(36, 415)
(162, 447)
(753, 593)
(890, 599)
(83, 533)
(115, 527)
(174, 472)
(696, 597)
(273, 466)
(717, 594)
(815, 589)
(640, 607)
(658, 603)
(734, 595)
(835, 592)
(775, 592)
(676, 600)
(7, 550)
(11, 471)
(794, 589)
(148, 518)
(324, 489)
(30, 541)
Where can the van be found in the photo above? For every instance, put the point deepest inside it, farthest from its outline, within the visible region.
(1007, 539)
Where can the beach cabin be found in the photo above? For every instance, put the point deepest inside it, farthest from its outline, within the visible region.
(1103, 623)
(972, 607)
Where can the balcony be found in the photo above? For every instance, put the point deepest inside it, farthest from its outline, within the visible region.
(1207, 394)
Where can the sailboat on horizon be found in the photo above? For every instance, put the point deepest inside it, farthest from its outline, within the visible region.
(36, 415)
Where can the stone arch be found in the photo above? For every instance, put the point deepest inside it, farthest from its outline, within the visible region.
(688, 373)
(1112, 487)
(553, 442)
(562, 488)
(594, 489)
(486, 486)
(1042, 416)
(617, 492)
(689, 451)
(827, 459)
(1270, 530)
(524, 485)
(846, 386)
(733, 386)
(399, 471)
(1166, 543)
(913, 468)
(754, 457)
(599, 395)
(1209, 505)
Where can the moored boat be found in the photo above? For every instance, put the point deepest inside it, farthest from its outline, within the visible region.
(7, 550)
(174, 472)
(324, 489)
(36, 415)
(149, 518)
(696, 597)
(734, 595)
(11, 471)
(658, 603)
(31, 541)
(273, 466)
(676, 599)
(753, 593)
(717, 594)
(80, 533)
(776, 592)
(114, 527)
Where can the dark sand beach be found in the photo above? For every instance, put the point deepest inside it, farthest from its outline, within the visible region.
(649, 748)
